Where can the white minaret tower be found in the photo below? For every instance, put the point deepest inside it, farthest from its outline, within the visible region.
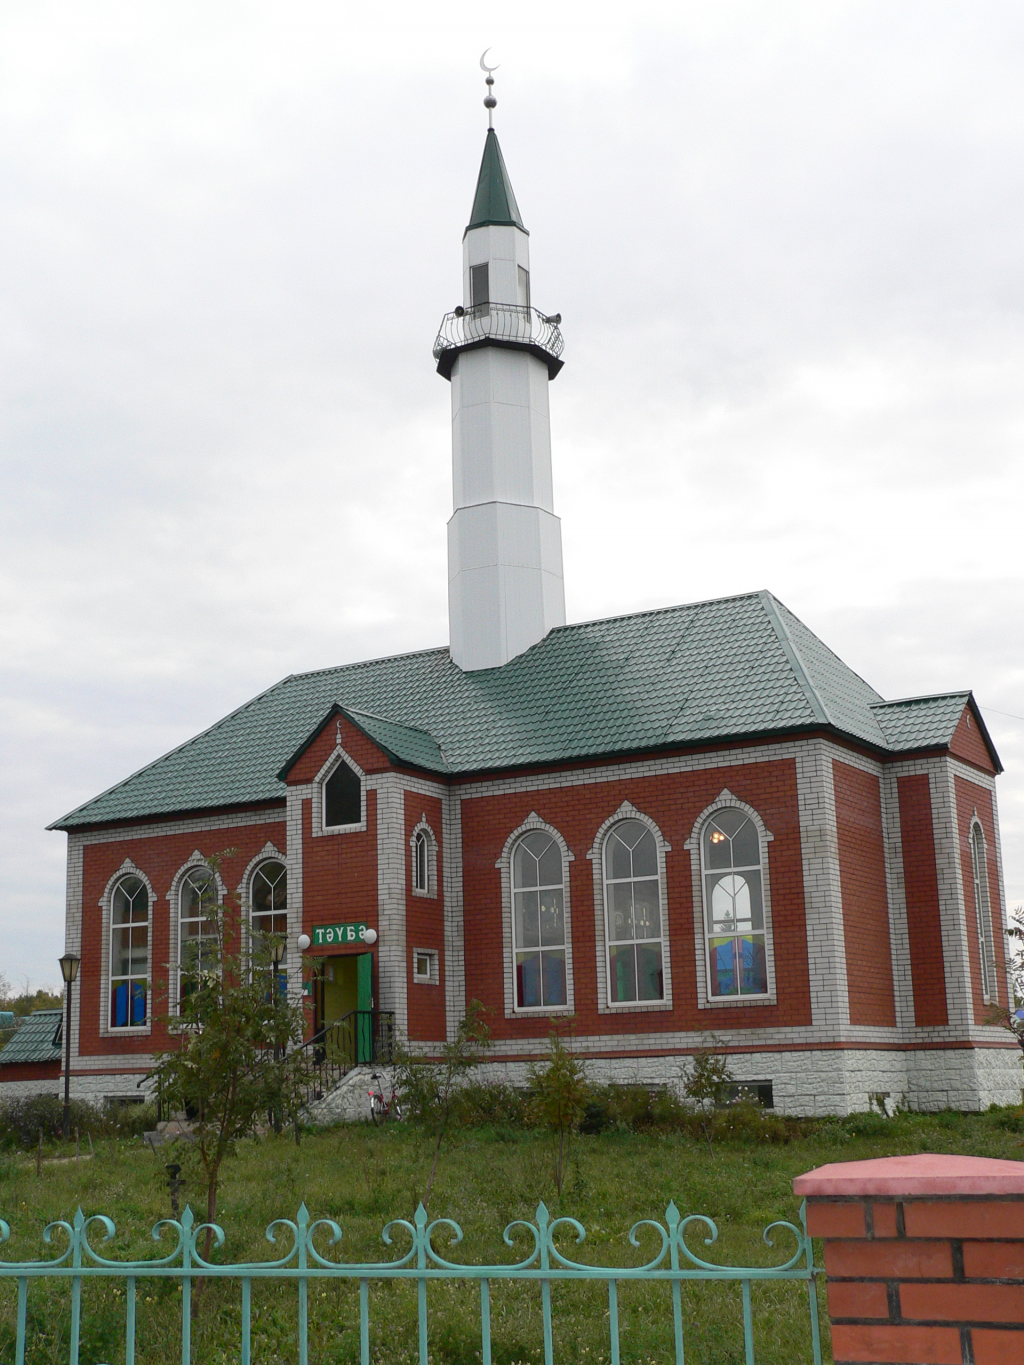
(505, 587)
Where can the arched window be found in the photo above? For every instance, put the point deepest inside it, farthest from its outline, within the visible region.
(343, 797)
(538, 922)
(632, 897)
(129, 953)
(270, 899)
(197, 927)
(420, 862)
(733, 905)
(983, 918)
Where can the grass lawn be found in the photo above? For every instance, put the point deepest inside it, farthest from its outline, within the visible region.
(362, 1177)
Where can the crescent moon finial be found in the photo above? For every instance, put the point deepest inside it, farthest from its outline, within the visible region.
(489, 102)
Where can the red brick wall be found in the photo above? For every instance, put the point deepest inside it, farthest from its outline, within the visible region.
(424, 926)
(369, 757)
(339, 876)
(30, 1071)
(160, 858)
(971, 797)
(968, 744)
(924, 928)
(865, 899)
(674, 801)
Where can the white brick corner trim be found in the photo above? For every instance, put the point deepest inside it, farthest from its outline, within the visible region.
(533, 823)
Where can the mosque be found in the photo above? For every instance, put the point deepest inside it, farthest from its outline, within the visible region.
(655, 830)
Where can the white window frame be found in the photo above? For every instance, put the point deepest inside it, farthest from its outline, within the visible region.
(197, 863)
(108, 1029)
(705, 1000)
(339, 754)
(423, 831)
(433, 975)
(634, 943)
(533, 823)
(982, 908)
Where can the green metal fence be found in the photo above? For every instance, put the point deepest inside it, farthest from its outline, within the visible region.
(674, 1265)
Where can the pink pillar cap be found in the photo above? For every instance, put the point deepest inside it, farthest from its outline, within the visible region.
(908, 1177)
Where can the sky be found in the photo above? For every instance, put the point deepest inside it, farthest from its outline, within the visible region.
(786, 243)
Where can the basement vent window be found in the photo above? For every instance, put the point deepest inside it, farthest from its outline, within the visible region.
(343, 798)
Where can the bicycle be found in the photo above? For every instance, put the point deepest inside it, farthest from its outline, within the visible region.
(382, 1109)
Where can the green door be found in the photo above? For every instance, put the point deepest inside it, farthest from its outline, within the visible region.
(364, 1019)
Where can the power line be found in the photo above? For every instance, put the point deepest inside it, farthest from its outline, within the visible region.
(995, 710)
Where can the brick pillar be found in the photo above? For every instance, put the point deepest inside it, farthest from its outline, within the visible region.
(924, 1257)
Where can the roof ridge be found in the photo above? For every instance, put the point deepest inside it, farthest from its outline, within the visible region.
(796, 662)
(178, 748)
(388, 720)
(654, 611)
(365, 663)
(925, 696)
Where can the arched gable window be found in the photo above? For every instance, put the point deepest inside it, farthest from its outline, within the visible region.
(734, 924)
(420, 864)
(632, 898)
(269, 897)
(342, 797)
(983, 916)
(538, 922)
(129, 953)
(197, 927)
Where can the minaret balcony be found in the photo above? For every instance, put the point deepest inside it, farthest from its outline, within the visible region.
(499, 324)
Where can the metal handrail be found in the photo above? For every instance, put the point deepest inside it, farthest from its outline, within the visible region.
(499, 322)
(359, 1038)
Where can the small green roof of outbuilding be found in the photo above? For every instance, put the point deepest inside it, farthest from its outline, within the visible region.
(38, 1039)
(494, 204)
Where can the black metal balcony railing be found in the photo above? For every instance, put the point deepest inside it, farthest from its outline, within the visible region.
(502, 322)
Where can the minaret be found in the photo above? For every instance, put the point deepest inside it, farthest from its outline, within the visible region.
(505, 587)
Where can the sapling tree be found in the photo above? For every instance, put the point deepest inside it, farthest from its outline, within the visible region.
(430, 1087)
(703, 1084)
(560, 1092)
(235, 1053)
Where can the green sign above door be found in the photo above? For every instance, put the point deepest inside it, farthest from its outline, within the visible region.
(328, 935)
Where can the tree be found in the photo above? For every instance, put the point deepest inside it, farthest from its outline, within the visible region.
(703, 1084)
(560, 1095)
(236, 1052)
(429, 1089)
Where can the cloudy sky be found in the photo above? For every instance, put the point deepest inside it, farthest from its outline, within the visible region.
(786, 241)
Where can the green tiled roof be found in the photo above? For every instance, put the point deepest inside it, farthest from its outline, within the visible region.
(920, 722)
(733, 668)
(494, 202)
(38, 1039)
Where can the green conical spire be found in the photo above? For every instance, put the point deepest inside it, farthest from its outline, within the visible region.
(494, 202)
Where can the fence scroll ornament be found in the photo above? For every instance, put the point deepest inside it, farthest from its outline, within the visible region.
(673, 1263)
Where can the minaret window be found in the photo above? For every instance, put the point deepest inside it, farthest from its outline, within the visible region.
(479, 285)
(129, 953)
(420, 872)
(633, 901)
(981, 910)
(524, 287)
(343, 797)
(734, 905)
(538, 922)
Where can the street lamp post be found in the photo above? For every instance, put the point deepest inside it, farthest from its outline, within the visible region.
(276, 954)
(68, 970)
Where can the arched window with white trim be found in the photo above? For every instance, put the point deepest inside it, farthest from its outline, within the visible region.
(420, 862)
(734, 921)
(538, 922)
(197, 927)
(983, 917)
(269, 900)
(129, 953)
(635, 941)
